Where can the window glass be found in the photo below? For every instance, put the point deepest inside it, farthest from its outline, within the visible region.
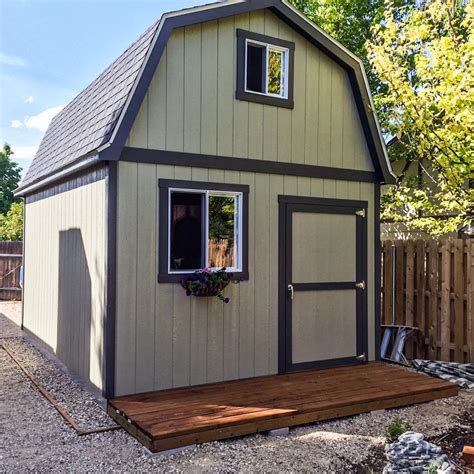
(275, 67)
(222, 231)
(255, 67)
(186, 230)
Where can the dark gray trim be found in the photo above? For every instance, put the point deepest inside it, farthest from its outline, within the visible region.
(322, 364)
(108, 388)
(311, 33)
(330, 285)
(287, 206)
(163, 197)
(377, 273)
(178, 158)
(240, 93)
(80, 178)
(343, 204)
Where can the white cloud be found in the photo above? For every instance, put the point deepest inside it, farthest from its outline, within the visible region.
(11, 60)
(17, 124)
(29, 100)
(40, 121)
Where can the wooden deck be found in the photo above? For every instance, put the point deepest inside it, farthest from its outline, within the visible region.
(178, 417)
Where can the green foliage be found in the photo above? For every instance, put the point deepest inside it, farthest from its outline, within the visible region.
(221, 217)
(11, 223)
(396, 428)
(424, 56)
(9, 178)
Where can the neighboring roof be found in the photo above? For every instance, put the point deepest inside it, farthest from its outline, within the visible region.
(99, 119)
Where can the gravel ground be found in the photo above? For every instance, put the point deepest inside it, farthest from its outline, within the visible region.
(10, 326)
(34, 437)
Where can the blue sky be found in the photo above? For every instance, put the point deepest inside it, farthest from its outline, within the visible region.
(52, 49)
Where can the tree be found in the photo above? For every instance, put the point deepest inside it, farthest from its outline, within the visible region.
(10, 174)
(424, 57)
(11, 223)
(350, 22)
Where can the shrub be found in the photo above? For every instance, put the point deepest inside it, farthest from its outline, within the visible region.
(396, 428)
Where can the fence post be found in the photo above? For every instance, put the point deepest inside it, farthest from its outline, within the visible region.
(445, 317)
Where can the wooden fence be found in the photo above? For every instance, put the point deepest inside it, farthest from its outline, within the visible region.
(221, 253)
(430, 284)
(10, 261)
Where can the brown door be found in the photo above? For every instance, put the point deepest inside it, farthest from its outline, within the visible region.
(322, 283)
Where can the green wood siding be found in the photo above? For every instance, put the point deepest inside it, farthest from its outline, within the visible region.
(65, 268)
(165, 339)
(191, 106)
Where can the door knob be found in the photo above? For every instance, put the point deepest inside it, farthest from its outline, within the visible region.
(291, 290)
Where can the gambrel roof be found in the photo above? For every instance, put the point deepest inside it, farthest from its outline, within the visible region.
(96, 124)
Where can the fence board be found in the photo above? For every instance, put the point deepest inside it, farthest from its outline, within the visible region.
(10, 262)
(433, 286)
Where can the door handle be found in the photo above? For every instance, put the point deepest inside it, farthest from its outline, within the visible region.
(291, 290)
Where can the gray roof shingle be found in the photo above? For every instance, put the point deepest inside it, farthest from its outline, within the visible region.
(88, 121)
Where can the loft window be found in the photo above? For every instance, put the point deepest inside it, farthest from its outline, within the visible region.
(202, 225)
(264, 69)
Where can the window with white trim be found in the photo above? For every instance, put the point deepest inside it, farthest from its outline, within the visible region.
(204, 230)
(202, 225)
(266, 69)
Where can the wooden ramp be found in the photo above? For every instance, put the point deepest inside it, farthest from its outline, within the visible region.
(178, 417)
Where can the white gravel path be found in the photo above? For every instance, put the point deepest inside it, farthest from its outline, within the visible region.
(34, 437)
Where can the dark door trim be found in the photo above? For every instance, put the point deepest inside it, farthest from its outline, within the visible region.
(288, 205)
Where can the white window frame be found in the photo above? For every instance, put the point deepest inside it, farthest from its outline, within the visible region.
(284, 68)
(238, 196)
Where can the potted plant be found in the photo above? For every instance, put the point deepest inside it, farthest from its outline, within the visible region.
(207, 282)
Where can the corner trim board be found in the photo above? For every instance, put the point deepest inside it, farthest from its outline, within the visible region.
(178, 158)
(108, 388)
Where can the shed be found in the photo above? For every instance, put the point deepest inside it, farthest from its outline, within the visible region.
(234, 134)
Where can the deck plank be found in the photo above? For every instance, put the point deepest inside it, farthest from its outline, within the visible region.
(176, 417)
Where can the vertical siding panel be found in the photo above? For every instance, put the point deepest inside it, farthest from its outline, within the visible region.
(290, 185)
(255, 117)
(241, 107)
(125, 366)
(312, 103)
(181, 319)
(324, 112)
(284, 115)
(304, 186)
(348, 126)
(139, 132)
(247, 302)
(164, 310)
(329, 188)
(192, 88)
(232, 314)
(209, 87)
(317, 187)
(175, 90)
(262, 273)
(337, 111)
(299, 112)
(215, 340)
(157, 95)
(199, 310)
(146, 277)
(276, 188)
(270, 114)
(225, 86)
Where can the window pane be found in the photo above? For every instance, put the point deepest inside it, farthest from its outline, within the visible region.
(186, 231)
(275, 62)
(222, 231)
(255, 67)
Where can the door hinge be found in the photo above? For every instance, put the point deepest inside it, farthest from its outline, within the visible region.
(361, 212)
(362, 357)
(361, 285)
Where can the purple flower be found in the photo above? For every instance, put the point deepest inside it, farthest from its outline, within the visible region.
(188, 293)
(226, 300)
